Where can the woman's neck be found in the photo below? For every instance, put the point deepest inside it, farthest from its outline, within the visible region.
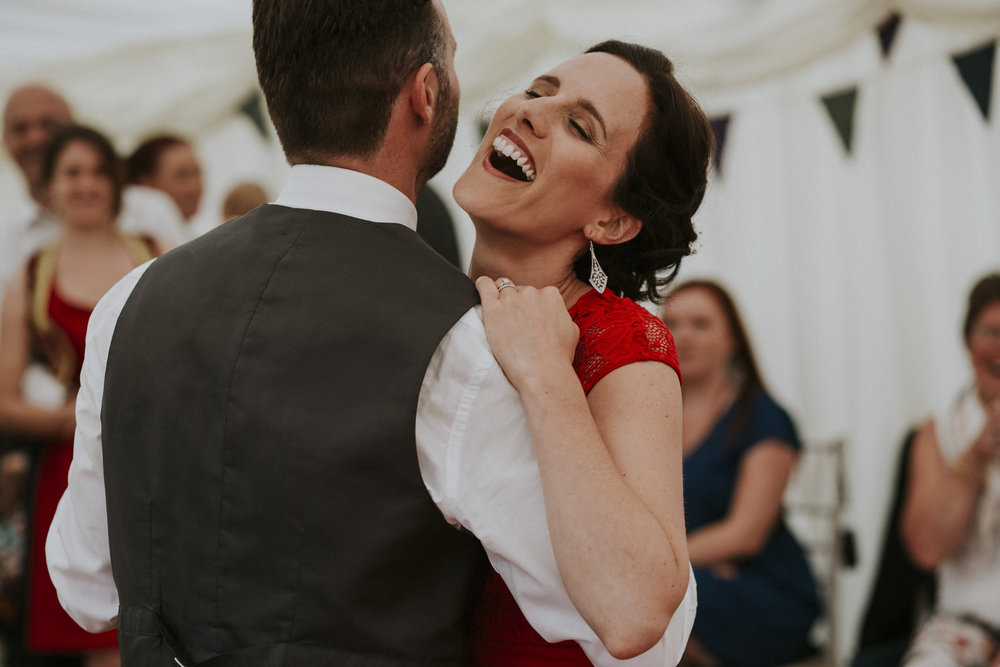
(705, 401)
(714, 387)
(527, 266)
(83, 237)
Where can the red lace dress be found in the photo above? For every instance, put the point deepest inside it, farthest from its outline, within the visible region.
(49, 629)
(614, 332)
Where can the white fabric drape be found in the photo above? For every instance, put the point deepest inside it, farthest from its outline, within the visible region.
(851, 269)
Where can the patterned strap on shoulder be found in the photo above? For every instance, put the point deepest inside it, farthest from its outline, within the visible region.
(142, 248)
(50, 341)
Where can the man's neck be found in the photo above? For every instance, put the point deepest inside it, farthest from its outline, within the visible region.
(385, 169)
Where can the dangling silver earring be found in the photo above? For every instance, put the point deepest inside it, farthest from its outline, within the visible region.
(598, 279)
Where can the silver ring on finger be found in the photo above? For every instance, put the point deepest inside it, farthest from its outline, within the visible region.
(503, 284)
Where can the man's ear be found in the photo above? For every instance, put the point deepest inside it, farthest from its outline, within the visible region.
(617, 227)
(423, 93)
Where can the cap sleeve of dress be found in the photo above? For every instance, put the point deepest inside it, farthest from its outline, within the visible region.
(615, 332)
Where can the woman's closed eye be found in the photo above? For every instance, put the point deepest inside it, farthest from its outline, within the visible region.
(579, 130)
(576, 127)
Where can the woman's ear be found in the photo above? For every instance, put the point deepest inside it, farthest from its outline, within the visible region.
(423, 93)
(618, 227)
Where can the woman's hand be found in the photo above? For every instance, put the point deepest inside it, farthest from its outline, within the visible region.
(529, 330)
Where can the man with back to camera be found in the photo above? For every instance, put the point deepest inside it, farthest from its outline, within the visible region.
(281, 423)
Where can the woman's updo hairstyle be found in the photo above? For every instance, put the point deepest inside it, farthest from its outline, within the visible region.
(663, 183)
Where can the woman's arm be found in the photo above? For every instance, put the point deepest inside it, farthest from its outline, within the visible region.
(940, 500)
(610, 470)
(16, 414)
(754, 510)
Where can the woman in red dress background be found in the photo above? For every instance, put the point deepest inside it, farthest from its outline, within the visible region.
(582, 195)
(46, 308)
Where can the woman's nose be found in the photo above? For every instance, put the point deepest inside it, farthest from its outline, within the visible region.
(531, 113)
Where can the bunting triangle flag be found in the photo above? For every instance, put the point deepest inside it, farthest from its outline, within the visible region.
(840, 105)
(253, 108)
(887, 30)
(719, 126)
(976, 69)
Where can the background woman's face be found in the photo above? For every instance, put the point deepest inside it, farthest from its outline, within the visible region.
(984, 350)
(572, 128)
(81, 191)
(178, 173)
(701, 332)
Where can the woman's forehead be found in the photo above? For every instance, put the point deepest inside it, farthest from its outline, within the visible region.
(611, 84)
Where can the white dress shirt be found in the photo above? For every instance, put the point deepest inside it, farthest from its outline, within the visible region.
(473, 446)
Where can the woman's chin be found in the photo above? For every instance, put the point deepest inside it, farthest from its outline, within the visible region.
(464, 192)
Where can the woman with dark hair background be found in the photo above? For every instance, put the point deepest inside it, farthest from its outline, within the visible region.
(582, 195)
(757, 598)
(46, 308)
(168, 163)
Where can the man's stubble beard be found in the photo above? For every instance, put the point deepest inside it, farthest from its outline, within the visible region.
(442, 136)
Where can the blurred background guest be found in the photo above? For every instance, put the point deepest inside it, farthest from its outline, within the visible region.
(168, 163)
(46, 306)
(243, 198)
(951, 513)
(30, 117)
(757, 597)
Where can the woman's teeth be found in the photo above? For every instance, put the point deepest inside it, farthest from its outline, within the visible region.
(509, 150)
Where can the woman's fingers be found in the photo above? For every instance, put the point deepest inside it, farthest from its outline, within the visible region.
(487, 289)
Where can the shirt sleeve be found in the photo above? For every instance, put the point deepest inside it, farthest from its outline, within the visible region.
(770, 421)
(478, 463)
(77, 548)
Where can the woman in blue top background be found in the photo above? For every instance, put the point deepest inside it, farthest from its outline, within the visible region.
(757, 597)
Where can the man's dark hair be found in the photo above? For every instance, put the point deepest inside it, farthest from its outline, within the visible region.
(663, 183)
(331, 69)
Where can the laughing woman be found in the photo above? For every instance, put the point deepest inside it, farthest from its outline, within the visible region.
(582, 196)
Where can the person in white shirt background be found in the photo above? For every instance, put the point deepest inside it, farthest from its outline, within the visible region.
(473, 445)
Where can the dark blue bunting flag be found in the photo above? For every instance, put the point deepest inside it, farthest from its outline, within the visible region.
(887, 30)
(976, 69)
(719, 126)
(840, 105)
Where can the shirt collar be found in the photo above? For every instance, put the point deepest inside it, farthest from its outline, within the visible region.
(347, 192)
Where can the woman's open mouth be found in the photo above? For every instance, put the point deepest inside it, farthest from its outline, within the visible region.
(508, 158)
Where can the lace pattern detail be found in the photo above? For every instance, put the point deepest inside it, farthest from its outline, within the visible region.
(615, 332)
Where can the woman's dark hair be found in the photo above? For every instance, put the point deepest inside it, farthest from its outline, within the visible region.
(744, 362)
(145, 159)
(663, 183)
(109, 158)
(331, 70)
(984, 293)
